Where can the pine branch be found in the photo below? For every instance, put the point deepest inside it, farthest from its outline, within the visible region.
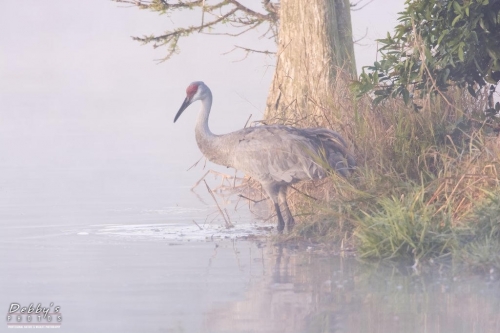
(149, 4)
(239, 16)
(184, 31)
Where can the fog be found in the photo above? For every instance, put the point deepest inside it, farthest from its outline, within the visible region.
(93, 171)
(86, 114)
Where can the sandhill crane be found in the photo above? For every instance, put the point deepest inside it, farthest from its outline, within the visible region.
(274, 155)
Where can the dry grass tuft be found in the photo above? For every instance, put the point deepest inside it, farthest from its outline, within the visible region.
(421, 172)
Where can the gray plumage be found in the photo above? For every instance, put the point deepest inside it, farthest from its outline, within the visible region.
(274, 155)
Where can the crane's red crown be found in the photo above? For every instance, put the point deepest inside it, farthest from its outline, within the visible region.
(192, 89)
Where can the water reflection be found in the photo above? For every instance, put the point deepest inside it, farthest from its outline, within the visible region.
(129, 280)
(306, 292)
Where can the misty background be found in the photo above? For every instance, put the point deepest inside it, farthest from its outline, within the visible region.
(86, 114)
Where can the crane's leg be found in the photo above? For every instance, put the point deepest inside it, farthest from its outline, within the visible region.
(281, 223)
(289, 221)
(273, 192)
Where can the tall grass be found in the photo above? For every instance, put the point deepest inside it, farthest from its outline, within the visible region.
(479, 245)
(420, 179)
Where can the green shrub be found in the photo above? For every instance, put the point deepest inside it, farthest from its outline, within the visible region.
(405, 228)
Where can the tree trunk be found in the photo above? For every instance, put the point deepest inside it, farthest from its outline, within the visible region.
(315, 59)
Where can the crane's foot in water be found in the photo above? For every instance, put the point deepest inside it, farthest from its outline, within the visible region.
(284, 225)
(281, 222)
(289, 225)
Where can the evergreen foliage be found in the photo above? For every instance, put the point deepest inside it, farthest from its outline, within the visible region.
(438, 43)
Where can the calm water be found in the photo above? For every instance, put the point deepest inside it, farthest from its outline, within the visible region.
(134, 269)
(131, 286)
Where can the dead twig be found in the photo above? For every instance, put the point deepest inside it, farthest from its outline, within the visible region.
(192, 166)
(197, 225)
(254, 201)
(305, 194)
(231, 223)
(228, 223)
(250, 116)
(223, 175)
(199, 181)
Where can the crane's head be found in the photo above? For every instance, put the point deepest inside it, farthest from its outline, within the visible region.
(195, 91)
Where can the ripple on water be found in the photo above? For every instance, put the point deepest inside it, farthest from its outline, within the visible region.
(182, 231)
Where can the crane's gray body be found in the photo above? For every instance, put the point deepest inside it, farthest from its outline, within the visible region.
(274, 155)
(279, 154)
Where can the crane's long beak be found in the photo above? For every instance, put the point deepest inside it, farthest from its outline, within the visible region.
(184, 105)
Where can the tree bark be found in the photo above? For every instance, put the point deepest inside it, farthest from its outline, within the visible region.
(315, 58)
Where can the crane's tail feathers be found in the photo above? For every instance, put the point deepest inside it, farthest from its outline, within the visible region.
(335, 151)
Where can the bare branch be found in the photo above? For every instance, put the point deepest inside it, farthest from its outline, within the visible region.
(247, 52)
(172, 38)
(361, 38)
(248, 10)
(152, 3)
(234, 35)
(230, 12)
(272, 8)
(266, 52)
(357, 3)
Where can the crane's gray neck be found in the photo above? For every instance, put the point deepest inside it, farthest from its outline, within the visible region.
(202, 122)
(211, 145)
